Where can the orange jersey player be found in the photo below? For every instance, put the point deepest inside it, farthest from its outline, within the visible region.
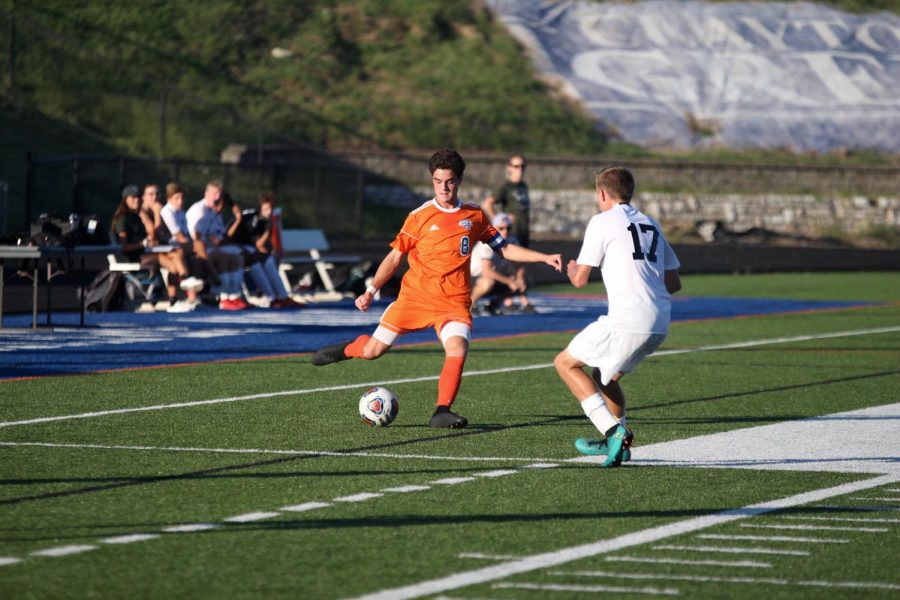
(438, 238)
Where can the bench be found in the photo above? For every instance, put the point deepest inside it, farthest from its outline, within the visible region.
(144, 280)
(305, 247)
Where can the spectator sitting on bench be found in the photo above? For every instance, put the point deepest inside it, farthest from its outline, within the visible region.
(151, 206)
(491, 273)
(207, 230)
(134, 231)
(251, 233)
(174, 230)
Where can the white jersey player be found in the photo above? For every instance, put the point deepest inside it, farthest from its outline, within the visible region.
(640, 272)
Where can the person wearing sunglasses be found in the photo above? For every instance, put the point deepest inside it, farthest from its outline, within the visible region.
(512, 198)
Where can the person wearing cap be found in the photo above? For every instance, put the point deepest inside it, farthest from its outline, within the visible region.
(134, 231)
(512, 198)
(493, 273)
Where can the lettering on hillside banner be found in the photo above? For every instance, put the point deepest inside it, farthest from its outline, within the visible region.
(663, 72)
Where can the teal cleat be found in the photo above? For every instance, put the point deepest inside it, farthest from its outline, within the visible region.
(616, 443)
(593, 447)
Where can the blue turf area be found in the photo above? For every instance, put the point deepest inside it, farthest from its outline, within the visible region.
(128, 340)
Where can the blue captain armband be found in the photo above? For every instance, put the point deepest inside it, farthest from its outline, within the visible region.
(498, 242)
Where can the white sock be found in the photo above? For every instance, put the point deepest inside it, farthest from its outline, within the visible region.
(595, 409)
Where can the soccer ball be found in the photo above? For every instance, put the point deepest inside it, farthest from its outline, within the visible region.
(378, 407)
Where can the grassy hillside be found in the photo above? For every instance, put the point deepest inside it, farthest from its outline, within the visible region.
(365, 73)
(176, 78)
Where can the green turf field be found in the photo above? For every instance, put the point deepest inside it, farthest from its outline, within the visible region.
(260, 481)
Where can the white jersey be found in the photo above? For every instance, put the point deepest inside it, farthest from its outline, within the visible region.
(203, 222)
(482, 252)
(175, 220)
(633, 256)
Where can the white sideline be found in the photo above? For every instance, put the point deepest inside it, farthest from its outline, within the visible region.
(732, 346)
(751, 580)
(537, 465)
(565, 555)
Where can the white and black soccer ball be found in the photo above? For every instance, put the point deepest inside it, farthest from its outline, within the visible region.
(378, 407)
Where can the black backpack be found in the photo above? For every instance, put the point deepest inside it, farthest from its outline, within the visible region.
(105, 293)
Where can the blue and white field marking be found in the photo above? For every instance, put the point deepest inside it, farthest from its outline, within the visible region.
(790, 445)
(135, 340)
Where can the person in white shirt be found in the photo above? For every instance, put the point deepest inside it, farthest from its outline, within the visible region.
(640, 272)
(208, 233)
(489, 269)
(174, 230)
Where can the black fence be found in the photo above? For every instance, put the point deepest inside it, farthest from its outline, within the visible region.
(330, 195)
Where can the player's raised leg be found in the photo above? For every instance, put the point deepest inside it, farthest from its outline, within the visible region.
(365, 347)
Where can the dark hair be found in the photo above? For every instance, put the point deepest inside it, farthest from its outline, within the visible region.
(173, 188)
(267, 197)
(618, 182)
(448, 158)
(121, 209)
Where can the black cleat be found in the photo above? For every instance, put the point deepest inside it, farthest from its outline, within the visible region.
(330, 354)
(447, 420)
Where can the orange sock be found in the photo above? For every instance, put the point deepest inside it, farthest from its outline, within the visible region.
(354, 349)
(451, 377)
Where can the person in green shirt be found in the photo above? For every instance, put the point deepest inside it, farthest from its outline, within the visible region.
(512, 198)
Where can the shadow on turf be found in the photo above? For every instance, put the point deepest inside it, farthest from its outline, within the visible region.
(55, 532)
(475, 430)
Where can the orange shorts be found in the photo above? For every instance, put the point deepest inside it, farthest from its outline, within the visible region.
(405, 315)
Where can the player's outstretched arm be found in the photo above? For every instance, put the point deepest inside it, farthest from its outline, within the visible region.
(578, 274)
(517, 253)
(385, 272)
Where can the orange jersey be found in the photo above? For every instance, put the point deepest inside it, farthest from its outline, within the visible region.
(439, 242)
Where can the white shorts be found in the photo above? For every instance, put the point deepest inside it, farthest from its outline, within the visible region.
(612, 351)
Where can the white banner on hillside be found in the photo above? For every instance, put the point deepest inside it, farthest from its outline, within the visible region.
(670, 73)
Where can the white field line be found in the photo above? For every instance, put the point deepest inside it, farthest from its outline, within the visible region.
(362, 497)
(752, 564)
(453, 480)
(845, 519)
(252, 517)
(589, 589)
(771, 538)
(190, 528)
(256, 516)
(482, 556)
(9, 560)
(537, 465)
(64, 550)
(406, 489)
(654, 534)
(870, 585)
(732, 550)
(815, 528)
(858, 508)
(130, 539)
(305, 506)
(871, 499)
(351, 386)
